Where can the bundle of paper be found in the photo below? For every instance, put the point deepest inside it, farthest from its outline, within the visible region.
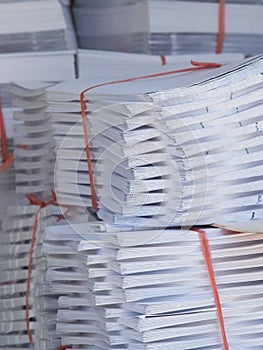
(169, 290)
(86, 315)
(137, 290)
(17, 305)
(34, 148)
(192, 26)
(173, 150)
(149, 167)
(35, 66)
(65, 287)
(34, 26)
(118, 25)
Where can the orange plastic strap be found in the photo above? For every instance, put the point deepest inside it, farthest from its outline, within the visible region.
(209, 265)
(221, 26)
(4, 144)
(163, 59)
(62, 347)
(196, 66)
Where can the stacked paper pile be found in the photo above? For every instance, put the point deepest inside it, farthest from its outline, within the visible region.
(137, 290)
(7, 178)
(37, 43)
(178, 26)
(16, 235)
(62, 280)
(119, 25)
(173, 150)
(27, 26)
(72, 187)
(35, 66)
(34, 151)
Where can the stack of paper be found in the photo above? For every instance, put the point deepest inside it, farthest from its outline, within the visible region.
(191, 27)
(27, 26)
(37, 43)
(174, 150)
(115, 25)
(107, 65)
(71, 180)
(169, 289)
(16, 236)
(35, 66)
(34, 148)
(137, 290)
(63, 284)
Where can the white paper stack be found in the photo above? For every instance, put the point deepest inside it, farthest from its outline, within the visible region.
(30, 25)
(119, 25)
(37, 42)
(34, 148)
(7, 178)
(63, 284)
(34, 66)
(16, 236)
(169, 289)
(175, 150)
(151, 290)
(191, 27)
(71, 180)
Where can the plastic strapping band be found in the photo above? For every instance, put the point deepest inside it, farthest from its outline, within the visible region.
(221, 26)
(163, 59)
(197, 66)
(209, 265)
(4, 145)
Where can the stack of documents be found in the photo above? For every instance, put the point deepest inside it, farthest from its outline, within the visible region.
(34, 66)
(34, 151)
(178, 26)
(64, 286)
(115, 25)
(27, 26)
(176, 150)
(137, 290)
(16, 235)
